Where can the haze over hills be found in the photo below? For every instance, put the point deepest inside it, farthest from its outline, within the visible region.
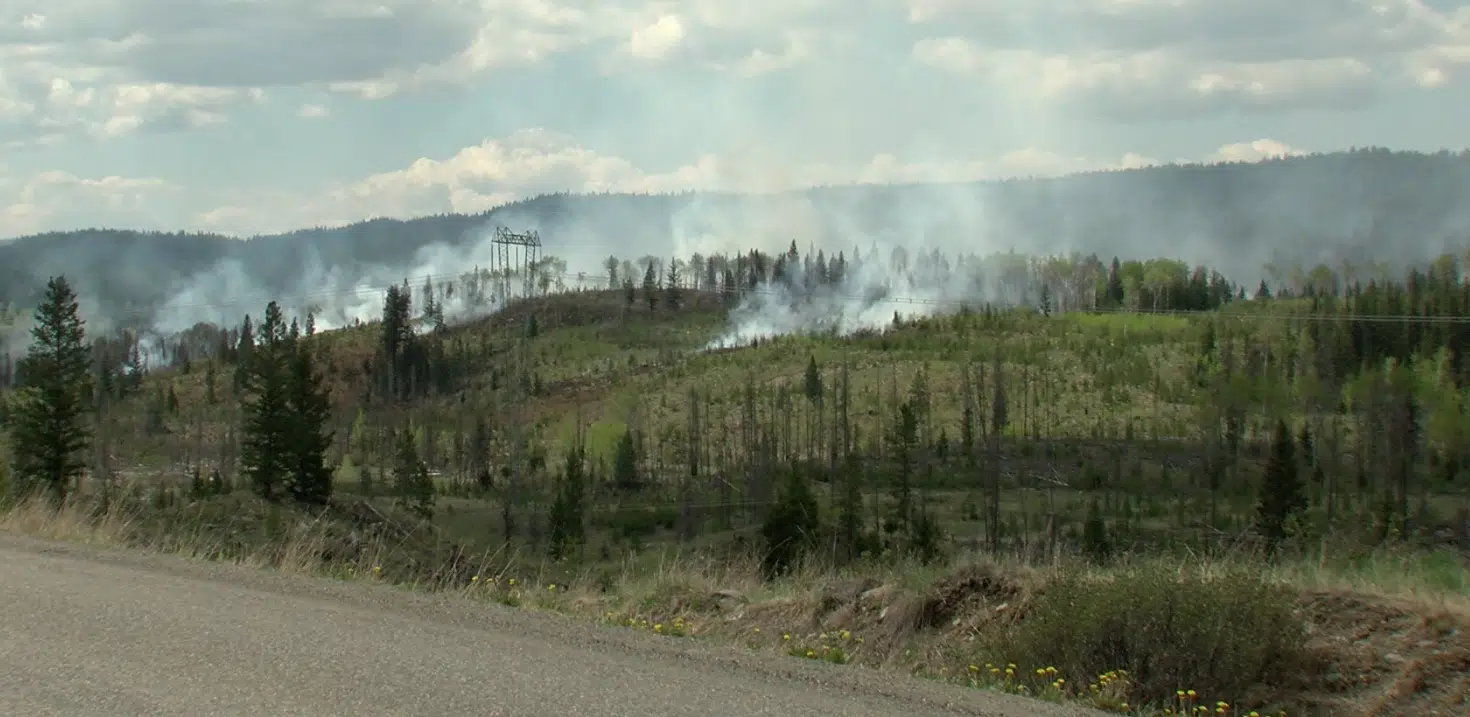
(1370, 205)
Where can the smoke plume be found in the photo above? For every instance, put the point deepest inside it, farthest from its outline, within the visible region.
(925, 248)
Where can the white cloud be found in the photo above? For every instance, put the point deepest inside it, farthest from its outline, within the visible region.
(493, 172)
(656, 40)
(372, 50)
(312, 111)
(1133, 58)
(108, 67)
(536, 161)
(50, 200)
(1256, 151)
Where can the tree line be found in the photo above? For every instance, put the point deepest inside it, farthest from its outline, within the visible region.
(51, 416)
(1332, 412)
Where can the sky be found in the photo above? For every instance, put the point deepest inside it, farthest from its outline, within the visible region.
(256, 116)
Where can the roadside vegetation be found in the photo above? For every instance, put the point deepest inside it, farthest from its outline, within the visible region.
(1135, 488)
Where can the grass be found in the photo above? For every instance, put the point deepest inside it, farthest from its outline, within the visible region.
(1139, 637)
(613, 366)
(1101, 408)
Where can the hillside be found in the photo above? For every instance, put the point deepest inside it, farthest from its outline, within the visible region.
(803, 450)
(1000, 430)
(1231, 217)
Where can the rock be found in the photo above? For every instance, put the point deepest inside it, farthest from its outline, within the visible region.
(727, 600)
(845, 592)
(881, 595)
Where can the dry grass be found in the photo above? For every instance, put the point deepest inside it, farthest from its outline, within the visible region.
(37, 518)
(964, 620)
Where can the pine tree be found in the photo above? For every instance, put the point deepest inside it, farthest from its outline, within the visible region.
(567, 508)
(308, 411)
(792, 525)
(50, 433)
(904, 440)
(265, 448)
(1095, 543)
(650, 286)
(1282, 493)
(244, 351)
(625, 464)
(479, 458)
(411, 479)
(672, 296)
(210, 374)
(1113, 290)
(729, 288)
(813, 380)
(611, 265)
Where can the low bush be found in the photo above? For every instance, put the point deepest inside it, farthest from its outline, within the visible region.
(1220, 634)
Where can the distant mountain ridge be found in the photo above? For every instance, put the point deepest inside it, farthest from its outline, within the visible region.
(1372, 204)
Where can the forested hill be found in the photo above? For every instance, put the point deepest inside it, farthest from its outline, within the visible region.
(1378, 205)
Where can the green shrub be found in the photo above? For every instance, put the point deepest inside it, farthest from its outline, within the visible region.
(1218, 635)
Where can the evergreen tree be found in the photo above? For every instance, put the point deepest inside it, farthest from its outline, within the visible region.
(244, 351)
(433, 312)
(210, 374)
(1282, 493)
(396, 342)
(650, 286)
(672, 294)
(625, 464)
(792, 525)
(1113, 290)
(611, 265)
(265, 449)
(813, 380)
(50, 432)
(1095, 543)
(308, 411)
(479, 458)
(411, 479)
(904, 440)
(568, 509)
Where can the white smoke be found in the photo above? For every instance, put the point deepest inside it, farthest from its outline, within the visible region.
(338, 296)
(323, 271)
(883, 283)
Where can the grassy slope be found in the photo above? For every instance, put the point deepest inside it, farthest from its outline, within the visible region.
(1096, 375)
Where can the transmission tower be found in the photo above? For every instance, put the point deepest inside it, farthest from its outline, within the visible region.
(515, 255)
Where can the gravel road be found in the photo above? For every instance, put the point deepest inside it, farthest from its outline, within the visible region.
(88, 631)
